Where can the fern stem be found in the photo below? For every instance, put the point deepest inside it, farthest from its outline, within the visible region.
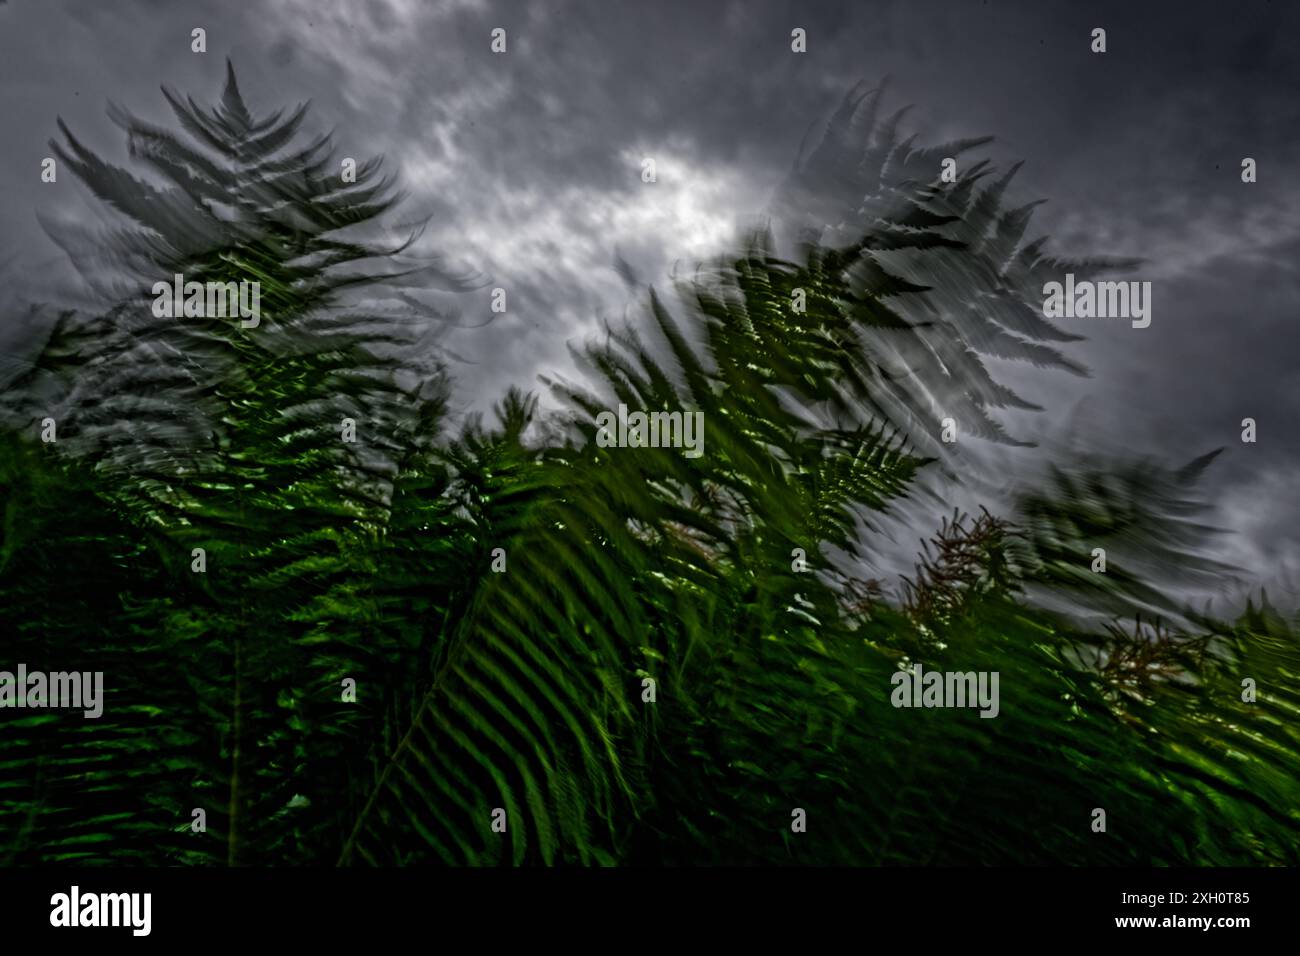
(232, 830)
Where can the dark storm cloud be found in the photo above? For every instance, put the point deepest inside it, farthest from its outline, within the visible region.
(529, 165)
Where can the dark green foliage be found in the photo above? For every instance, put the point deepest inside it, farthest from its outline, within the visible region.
(523, 690)
(205, 434)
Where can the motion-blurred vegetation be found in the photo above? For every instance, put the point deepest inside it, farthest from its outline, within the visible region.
(523, 690)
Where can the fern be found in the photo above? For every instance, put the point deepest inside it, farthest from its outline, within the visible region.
(726, 585)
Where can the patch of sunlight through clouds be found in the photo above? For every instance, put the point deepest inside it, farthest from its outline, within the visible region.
(530, 232)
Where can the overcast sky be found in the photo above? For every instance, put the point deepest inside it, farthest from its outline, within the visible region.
(529, 163)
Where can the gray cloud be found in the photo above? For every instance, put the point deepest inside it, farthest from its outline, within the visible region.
(529, 166)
